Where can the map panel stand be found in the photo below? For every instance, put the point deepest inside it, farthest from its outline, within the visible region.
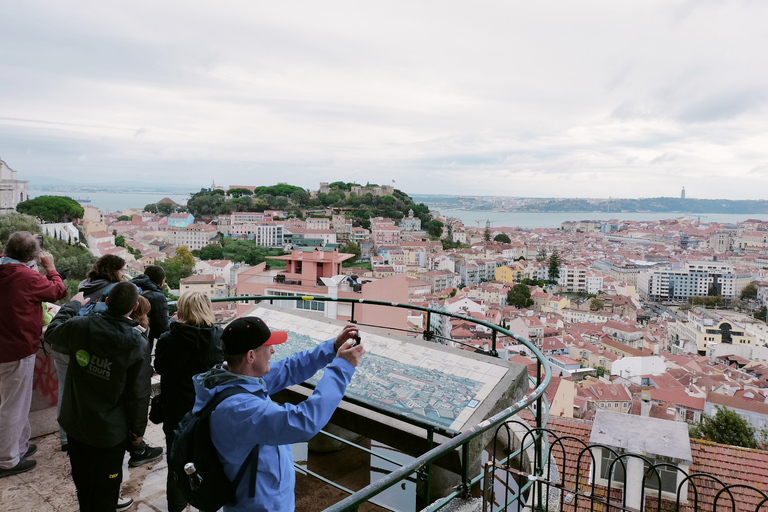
(446, 388)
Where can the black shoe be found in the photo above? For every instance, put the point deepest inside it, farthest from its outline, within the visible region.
(30, 451)
(143, 453)
(123, 504)
(22, 467)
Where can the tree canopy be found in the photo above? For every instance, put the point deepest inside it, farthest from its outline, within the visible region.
(596, 304)
(179, 266)
(749, 291)
(52, 209)
(554, 267)
(350, 248)
(519, 296)
(240, 251)
(725, 427)
(237, 192)
(13, 222)
(503, 238)
(72, 261)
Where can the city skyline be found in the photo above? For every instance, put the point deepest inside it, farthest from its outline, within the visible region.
(636, 99)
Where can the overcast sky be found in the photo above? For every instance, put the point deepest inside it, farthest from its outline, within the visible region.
(562, 98)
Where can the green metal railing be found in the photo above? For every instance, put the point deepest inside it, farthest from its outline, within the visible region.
(457, 440)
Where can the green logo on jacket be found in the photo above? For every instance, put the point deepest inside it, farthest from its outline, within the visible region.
(83, 357)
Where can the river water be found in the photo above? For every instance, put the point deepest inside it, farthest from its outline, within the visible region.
(119, 200)
(554, 219)
(115, 201)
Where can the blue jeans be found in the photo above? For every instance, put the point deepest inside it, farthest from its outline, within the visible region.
(61, 363)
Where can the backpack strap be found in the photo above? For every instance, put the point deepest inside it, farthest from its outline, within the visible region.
(253, 456)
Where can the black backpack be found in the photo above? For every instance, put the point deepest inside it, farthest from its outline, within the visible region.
(208, 488)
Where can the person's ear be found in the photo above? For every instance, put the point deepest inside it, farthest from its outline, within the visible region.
(250, 356)
(135, 306)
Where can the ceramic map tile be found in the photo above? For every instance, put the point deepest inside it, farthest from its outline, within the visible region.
(432, 385)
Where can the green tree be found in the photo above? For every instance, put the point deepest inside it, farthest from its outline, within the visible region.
(762, 314)
(749, 292)
(52, 209)
(519, 296)
(434, 228)
(596, 305)
(350, 248)
(179, 266)
(554, 267)
(238, 192)
(151, 208)
(120, 242)
(210, 252)
(72, 261)
(123, 217)
(725, 427)
(13, 222)
(166, 209)
(300, 197)
(503, 238)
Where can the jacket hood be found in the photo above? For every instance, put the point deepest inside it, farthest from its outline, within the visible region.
(209, 383)
(88, 287)
(198, 337)
(145, 283)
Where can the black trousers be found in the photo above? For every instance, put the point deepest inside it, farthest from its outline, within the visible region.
(98, 473)
(176, 500)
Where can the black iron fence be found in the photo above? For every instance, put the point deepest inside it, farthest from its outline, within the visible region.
(571, 475)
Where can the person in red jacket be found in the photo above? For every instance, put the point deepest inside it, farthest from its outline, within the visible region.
(24, 290)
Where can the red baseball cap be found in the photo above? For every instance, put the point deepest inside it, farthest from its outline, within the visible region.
(247, 333)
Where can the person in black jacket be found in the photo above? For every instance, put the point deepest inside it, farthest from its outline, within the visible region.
(106, 395)
(151, 283)
(107, 271)
(192, 346)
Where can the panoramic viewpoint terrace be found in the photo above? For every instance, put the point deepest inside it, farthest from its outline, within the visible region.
(429, 426)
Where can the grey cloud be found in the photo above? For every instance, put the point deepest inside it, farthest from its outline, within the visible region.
(722, 107)
(663, 159)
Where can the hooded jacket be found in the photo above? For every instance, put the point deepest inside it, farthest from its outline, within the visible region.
(158, 314)
(93, 289)
(243, 421)
(106, 395)
(23, 292)
(181, 353)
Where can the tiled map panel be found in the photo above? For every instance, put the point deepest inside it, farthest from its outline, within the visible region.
(434, 385)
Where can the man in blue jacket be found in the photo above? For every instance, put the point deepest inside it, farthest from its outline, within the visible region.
(244, 421)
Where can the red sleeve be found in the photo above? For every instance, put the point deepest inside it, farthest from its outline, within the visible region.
(48, 288)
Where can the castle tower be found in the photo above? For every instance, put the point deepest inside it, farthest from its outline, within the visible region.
(682, 194)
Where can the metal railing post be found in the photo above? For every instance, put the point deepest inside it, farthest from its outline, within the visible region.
(539, 464)
(465, 480)
(428, 485)
(494, 352)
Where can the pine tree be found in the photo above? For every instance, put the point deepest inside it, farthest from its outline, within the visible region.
(554, 267)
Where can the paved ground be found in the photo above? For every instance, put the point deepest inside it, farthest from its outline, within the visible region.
(49, 487)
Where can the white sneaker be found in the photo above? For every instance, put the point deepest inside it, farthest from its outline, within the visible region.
(124, 504)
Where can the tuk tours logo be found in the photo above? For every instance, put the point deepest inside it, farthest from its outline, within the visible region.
(98, 366)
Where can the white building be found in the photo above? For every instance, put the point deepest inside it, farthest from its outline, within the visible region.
(216, 268)
(65, 231)
(194, 236)
(12, 190)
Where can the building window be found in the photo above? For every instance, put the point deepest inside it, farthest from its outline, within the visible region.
(667, 475)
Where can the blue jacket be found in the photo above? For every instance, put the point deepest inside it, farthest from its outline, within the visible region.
(242, 421)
